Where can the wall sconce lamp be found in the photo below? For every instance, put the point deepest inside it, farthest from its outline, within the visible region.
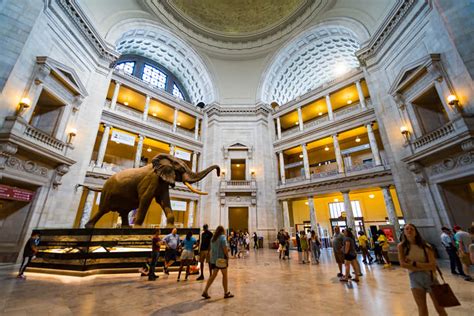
(223, 173)
(252, 173)
(453, 100)
(25, 103)
(405, 133)
(71, 135)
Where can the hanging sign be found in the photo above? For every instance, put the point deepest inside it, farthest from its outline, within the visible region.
(123, 138)
(178, 205)
(16, 194)
(182, 154)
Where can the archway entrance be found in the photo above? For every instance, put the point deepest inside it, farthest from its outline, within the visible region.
(239, 218)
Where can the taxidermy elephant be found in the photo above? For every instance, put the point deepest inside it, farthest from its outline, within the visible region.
(135, 188)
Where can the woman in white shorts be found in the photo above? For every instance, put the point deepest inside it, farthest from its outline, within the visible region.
(187, 256)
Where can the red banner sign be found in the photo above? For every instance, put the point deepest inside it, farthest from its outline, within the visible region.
(11, 193)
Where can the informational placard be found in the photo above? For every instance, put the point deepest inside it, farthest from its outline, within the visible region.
(182, 155)
(16, 194)
(178, 205)
(122, 138)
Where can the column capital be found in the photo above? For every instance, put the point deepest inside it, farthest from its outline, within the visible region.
(310, 197)
(335, 135)
(141, 136)
(345, 191)
(118, 83)
(107, 125)
(387, 186)
(148, 97)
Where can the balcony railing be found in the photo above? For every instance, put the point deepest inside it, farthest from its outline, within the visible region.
(346, 110)
(359, 167)
(290, 131)
(184, 131)
(295, 179)
(44, 138)
(107, 168)
(434, 135)
(239, 184)
(316, 122)
(163, 124)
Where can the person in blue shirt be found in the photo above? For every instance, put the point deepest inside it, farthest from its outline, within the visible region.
(187, 256)
(172, 243)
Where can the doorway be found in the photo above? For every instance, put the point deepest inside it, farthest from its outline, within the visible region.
(239, 218)
(237, 169)
(459, 197)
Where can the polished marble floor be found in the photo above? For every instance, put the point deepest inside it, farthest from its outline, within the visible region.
(262, 284)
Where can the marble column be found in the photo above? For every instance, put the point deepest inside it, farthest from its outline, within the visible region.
(373, 145)
(191, 214)
(337, 151)
(278, 127)
(194, 162)
(138, 153)
(312, 214)
(87, 210)
(348, 210)
(392, 214)
(175, 120)
(113, 102)
(147, 108)
(103, 145)
(282, 167)
(307, 173)
(329, 106)
(172, 148)
(196, 129)
(286, 216)
(360, 93)
(300, 119)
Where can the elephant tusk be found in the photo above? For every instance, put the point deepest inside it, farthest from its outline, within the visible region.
(190, 187)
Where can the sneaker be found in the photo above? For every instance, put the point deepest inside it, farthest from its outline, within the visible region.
(467, 278)
(165, 270)
(364, 261)
(201, 277)
(454, 273)
(340, 275)
(153, 278)
(21, 276)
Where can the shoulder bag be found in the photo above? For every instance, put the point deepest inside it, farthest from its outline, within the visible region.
(443, 293)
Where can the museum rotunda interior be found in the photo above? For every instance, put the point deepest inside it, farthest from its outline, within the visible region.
(121, 120)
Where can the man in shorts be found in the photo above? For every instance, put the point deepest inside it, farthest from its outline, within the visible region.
(463, 240)
(337, 243)
(171, 242)
(205, 250)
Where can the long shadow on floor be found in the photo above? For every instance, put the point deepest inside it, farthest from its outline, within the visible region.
(181, 308)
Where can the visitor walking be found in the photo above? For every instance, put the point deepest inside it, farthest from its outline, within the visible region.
(29, 253)
(315, 246)
(350, 256)
(155, 254)
(304, 247)
(383, 243)
(417, 256)
(233, 241)
(287, 245)
(172, 243)
(364, 247)
(219, 261)
(187, 256)
(204, 250)
(281, 244)
(337, 243)
(463, 241)
(448, 242)
(255, 240)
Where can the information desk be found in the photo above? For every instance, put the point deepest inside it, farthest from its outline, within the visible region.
(100, 250)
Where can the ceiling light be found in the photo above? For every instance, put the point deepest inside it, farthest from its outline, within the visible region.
(326, 148)
(296, 123)
(179, 124)
(357, 139)
(301, 155)
(349, 101)
(306, 203)
(149, 150)
(125, 103)
(371, 196)
(238, 165)
(154, 114)
(336, 200)
(320, 113)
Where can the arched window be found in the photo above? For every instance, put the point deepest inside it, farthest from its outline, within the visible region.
(152, 73)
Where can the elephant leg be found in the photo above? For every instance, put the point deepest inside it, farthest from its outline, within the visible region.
(94, 219)
(124, 216)
(166, 206)
(142, 209)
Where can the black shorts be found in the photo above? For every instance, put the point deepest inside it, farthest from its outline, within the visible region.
(213, 266)
(171, 254)
(349, 257)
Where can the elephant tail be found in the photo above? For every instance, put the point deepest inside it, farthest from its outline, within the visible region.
(88, 188)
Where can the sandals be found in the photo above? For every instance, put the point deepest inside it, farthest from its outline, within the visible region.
(206, 296)
(228, 295)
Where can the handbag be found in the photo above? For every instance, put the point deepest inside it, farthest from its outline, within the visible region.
(221, 263)
(443, 293)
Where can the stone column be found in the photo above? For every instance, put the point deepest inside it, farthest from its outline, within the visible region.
(147, 107)
(175, 120)
(361, 94)
(113, 102)
(286, 216)
(103, 145)
(191, 214)
(307, 173)
(87, 210)
(300, 119)
(337, 151)
(138, 153)
(392, 214)
(196, 129)
(312, 214)
(194, 162)
(172, 147)
(329, 106)
(278, 127)
(349, 212)
(373, 145)
(282, 167)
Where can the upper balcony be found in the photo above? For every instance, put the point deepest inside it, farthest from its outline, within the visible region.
(238, 185)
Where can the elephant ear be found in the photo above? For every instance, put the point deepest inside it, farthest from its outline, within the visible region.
(163, 166)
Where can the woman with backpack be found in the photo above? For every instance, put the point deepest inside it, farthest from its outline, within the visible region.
(418, 258)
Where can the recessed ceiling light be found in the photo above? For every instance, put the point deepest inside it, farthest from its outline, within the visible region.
(320, 113)
(238, 165)
(301, 155)
(336, 200)
(326, 148)
(154, 114)
(149, 149)
(126, 103)
(296, 123)
(179, 124)
(306, 203)
(371, 196)
(357, 139)
(349, 101)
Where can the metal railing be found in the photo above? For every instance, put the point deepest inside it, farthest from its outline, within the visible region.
(434, 135)
(44, 138)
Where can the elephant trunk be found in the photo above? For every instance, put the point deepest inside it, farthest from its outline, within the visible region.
(193, 177)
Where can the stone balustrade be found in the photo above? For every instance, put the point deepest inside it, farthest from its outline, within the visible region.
(361, 166)
(434, 135)
(129, 111)
(341, 112)
(184, 132)
(290, 131)
(316, 122)
(44, 138)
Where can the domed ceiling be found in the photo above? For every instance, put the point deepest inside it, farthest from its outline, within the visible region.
(236, 17)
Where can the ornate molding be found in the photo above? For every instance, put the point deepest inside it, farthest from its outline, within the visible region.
(453, 162)
(6, 151)
(26, 166)
(60, 171)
